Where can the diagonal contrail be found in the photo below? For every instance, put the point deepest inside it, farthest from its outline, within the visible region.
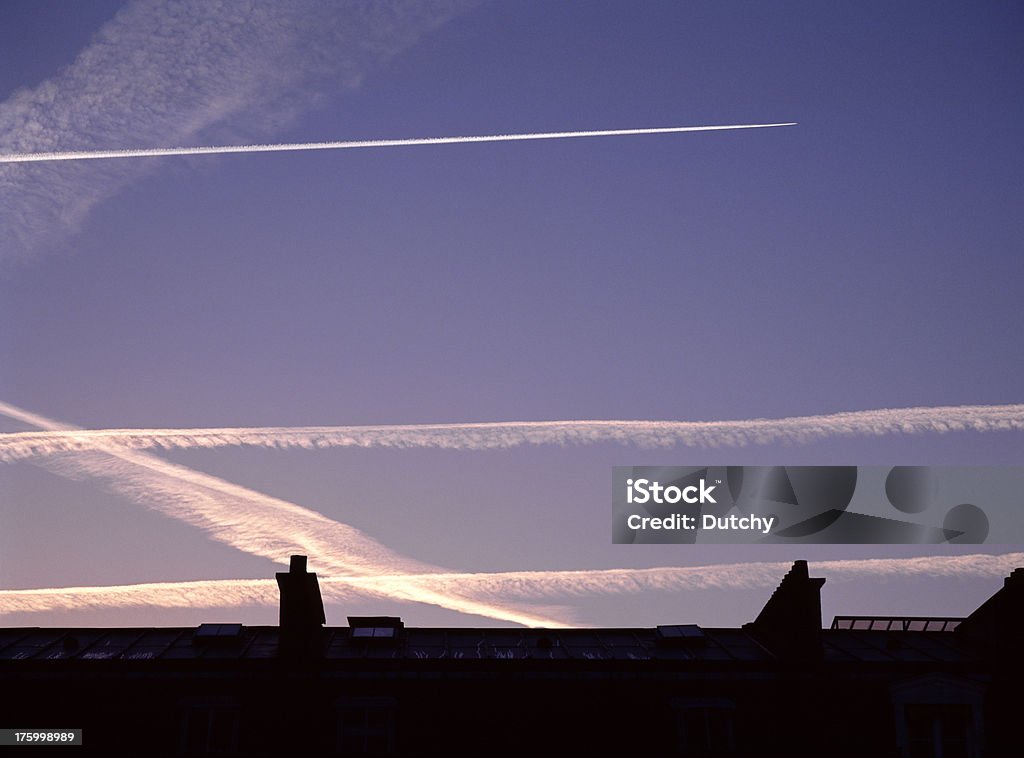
(492, 435)
(157, 152)
(259, 524)
(262, 525)
(525, 585)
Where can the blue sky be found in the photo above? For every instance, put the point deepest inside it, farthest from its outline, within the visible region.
(867, 258)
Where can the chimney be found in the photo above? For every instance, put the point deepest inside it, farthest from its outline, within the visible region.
(302, 609)
(994, 628)
(790, 623)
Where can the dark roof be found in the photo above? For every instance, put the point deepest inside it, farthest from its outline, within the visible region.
(864, 646)
(262, 642)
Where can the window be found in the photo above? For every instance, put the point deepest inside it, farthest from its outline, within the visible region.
(938, 716)
(209, 727)
(938, 731)
(705, 727)
(366, 726)
(378, 632)
(214, 631)
(376, 629)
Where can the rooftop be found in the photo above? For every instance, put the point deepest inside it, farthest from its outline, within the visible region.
(262, 642)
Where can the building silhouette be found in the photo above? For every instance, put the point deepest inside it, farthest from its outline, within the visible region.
(780, 685)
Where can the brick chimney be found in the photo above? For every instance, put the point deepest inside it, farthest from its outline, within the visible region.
(995, 627)
(790, 623)
(302, 609)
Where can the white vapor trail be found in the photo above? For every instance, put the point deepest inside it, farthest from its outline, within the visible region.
(355, 564)
(187, 72)
(479, 436)
(526, 585)
(156, 152)
(256, 523)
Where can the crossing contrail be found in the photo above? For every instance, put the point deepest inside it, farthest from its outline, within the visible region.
(496, 435)
(501, 586)
(256, 523)
(158, 152)
(262, 525)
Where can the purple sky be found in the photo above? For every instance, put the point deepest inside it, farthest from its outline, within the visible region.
(867, 258)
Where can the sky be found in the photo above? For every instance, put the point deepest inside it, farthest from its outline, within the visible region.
(867, 258)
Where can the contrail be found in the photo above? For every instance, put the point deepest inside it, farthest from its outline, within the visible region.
(256, 523)
(160, 73)
(525, 585)
(480, 436)
(265, 526)
(157, 152)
